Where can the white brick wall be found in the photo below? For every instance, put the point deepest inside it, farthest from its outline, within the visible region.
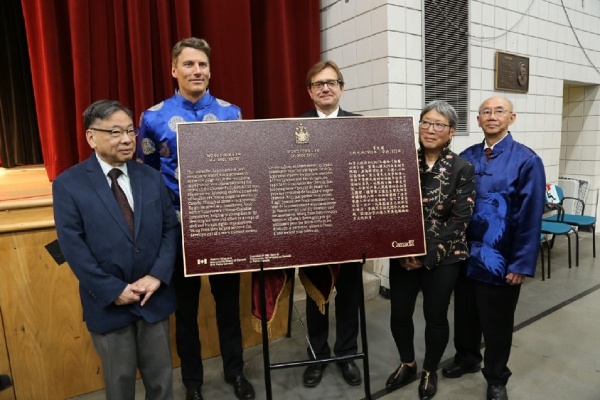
(378, 45)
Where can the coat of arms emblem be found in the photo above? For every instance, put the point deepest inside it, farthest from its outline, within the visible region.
(302, 135)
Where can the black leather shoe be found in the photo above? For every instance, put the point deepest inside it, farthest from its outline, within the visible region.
(193, 394)
(497, 392)
(5, 382)
(313, 374)
(453, 370)
(401, 376)
(242, 388)
(350, 372)
(428, 385)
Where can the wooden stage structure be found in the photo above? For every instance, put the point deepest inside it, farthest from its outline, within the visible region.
(44, 344)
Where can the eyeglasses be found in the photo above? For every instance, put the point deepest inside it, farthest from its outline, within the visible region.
(330, 84)
(499, 112)
(116, 133)
(437, 126)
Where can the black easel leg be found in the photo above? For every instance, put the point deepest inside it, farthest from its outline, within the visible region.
(291, 364)
(291, 304)
(265, 333)
(363, 331)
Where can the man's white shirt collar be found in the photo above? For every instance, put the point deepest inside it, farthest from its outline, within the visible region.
(492, 147)
(106, 167)
(332, 115)
(123, 180)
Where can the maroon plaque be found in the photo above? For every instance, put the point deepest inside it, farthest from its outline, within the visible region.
(298, 192)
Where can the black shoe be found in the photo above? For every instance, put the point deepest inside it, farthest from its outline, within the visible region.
(453, 370)
(428, 385)
(497, 392)
(313, 374)
(350, 372)
(242, 388)
(193, 394)
(5, 382)
(401, 376)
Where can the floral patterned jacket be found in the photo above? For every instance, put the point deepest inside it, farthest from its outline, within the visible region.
(448, 192)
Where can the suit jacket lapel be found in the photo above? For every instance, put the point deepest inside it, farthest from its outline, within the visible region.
(100, 184)
(136, 189)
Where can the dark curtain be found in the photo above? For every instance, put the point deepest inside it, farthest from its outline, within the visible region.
(85, 50)
(285, 37)
(19, 138)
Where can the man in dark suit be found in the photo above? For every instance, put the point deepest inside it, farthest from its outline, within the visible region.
(325, 85)
(119, 233)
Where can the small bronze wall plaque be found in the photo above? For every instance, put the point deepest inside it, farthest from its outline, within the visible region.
(298, 192)
(512, 72)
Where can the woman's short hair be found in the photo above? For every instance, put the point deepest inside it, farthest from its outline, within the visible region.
(444, 108)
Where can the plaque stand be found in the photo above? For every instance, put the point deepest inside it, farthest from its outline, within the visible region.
(364, 355)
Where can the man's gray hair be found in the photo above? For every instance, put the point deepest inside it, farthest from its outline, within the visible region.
(103, 109)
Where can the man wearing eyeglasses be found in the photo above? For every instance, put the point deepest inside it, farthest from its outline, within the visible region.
(193, 101)
(325, 85)
(503, 236)
(119, 233)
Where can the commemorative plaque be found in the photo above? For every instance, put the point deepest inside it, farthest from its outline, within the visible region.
(512, 72)
(298, 192)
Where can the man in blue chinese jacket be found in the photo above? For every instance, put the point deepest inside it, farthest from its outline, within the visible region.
(193, 102)
(503, 235)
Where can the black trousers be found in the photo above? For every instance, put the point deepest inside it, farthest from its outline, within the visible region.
(437, 285)
(482, 309)
(346, 315)
(226, 292)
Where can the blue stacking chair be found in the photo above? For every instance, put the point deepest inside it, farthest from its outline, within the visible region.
(574, 220)
(559, 229)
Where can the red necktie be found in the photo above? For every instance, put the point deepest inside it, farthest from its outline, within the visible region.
(488, 154)
(121, 198)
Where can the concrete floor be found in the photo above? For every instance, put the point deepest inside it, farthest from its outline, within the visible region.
(556, 354)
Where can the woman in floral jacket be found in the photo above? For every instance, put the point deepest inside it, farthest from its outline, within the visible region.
(448, 192)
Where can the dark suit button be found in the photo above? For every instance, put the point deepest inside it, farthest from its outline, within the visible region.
(137, 250)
